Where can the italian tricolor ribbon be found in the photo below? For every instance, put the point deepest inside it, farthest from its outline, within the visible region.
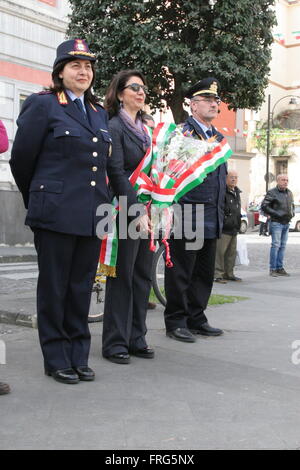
(159, 188)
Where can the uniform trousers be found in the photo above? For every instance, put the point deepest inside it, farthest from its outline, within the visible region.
(225, 256)
(188, 284)
(126, 299)
(67, 266)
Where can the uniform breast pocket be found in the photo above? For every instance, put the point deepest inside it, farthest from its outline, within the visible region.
(68, 139)
(44, 200)
(107, 143)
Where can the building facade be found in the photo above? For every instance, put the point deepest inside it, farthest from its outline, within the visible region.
(284, 84)
(30, 31)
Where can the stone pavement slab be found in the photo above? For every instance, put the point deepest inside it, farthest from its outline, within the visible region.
(237, 391)
(15, 254)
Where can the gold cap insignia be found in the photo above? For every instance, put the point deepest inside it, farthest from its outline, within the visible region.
(214, 88)
(79, 45)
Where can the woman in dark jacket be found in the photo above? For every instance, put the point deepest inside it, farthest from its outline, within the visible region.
(127, 294)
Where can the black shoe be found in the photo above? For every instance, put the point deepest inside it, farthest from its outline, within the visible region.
(119, 358)
(65, 376)
(4, 388)
(274, 273)
(85, 373)
(181, 334)
(220, 280)
(282, 272)
(146, 353)
(233, 278)
(151, 306)
(206, 330)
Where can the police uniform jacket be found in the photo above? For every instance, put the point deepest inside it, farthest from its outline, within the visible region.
(59, 161)
(211, 192)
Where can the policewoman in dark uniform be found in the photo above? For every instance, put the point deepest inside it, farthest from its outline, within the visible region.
(59, 164)
(189, 283)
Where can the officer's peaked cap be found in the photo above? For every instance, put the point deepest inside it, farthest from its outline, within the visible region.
(209, 86)
(73, 49)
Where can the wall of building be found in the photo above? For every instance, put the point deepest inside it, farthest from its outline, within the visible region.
(284, 82)
(30, 31)
(284, 75)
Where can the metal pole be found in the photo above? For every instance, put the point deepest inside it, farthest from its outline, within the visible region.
(268, 142)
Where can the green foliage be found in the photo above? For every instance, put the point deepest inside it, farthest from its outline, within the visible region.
(260, 140)
(177, 42)
(280, 140)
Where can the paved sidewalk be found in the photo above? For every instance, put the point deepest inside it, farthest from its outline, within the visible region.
(15, 254)
(237, 391)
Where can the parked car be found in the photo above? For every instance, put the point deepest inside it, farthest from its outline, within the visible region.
(244, 221)
(254, 210)
(295, 222)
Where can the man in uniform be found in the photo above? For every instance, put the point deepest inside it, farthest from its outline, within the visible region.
(188, 284)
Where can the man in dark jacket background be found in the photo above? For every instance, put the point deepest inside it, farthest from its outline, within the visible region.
(279, 205)
(226, 245)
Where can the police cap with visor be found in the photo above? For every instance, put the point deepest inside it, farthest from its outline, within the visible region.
(73, 49)
(209, 86)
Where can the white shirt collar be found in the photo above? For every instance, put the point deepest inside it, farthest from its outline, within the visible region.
(73, 97)
(203, 126)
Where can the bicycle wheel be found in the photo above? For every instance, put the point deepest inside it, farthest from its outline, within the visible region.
(97, 300)
(158, 274)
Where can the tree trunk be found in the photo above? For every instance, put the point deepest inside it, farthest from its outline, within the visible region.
(179, 114)
(176, 101)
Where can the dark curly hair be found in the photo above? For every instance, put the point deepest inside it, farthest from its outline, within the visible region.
(118, 83)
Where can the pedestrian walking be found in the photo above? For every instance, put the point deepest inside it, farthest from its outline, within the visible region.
(127, 294)
(279, 205)
(59, 164)
(226, 245)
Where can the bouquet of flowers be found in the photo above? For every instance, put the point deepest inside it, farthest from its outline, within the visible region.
(179, 163)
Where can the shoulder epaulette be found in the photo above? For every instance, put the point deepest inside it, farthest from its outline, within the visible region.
(62, 98)
(93, 107)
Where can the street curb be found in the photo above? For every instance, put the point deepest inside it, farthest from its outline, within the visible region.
(19, 319)
(18, 258)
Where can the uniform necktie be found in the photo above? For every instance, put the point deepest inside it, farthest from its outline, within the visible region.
(79, 105)
(209, 133)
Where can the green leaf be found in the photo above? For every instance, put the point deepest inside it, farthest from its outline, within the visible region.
(177, 42)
